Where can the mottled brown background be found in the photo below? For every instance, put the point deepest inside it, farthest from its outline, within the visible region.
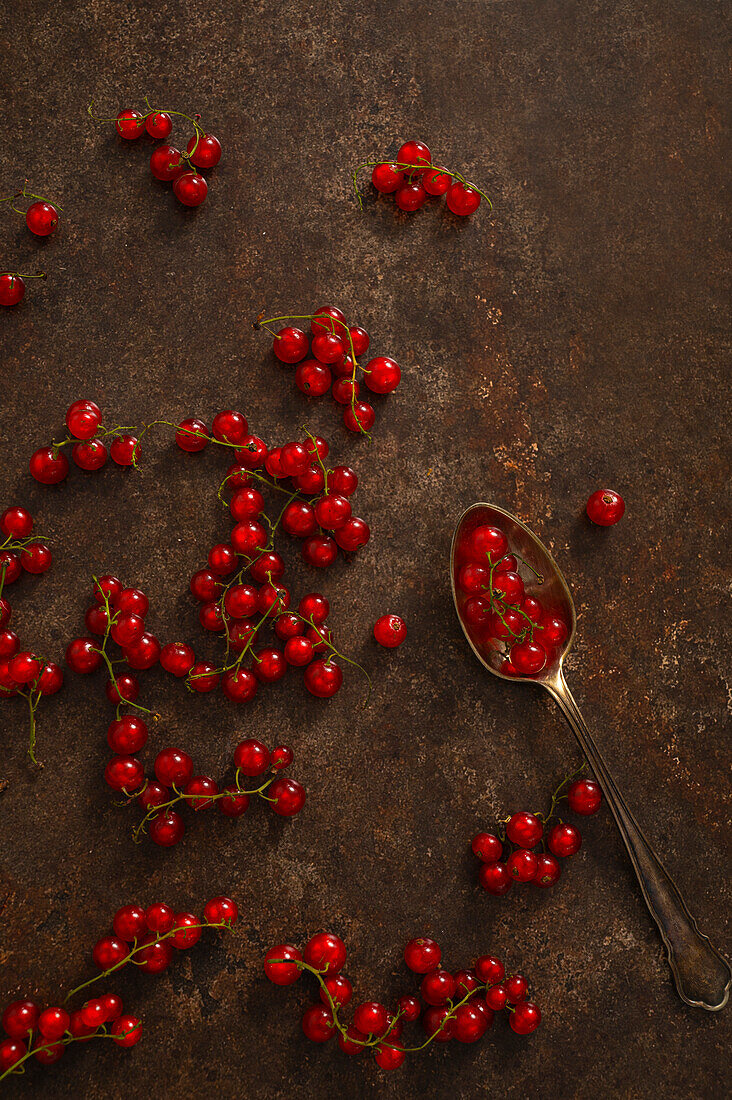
(573, 338)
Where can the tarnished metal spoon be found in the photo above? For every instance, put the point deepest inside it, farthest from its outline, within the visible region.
(701, 974)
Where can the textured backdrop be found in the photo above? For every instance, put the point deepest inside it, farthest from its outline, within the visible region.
(573, 338)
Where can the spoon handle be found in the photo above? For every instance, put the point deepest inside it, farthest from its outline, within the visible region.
(701, 974)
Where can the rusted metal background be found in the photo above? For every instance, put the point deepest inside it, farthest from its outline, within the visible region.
(573, 338)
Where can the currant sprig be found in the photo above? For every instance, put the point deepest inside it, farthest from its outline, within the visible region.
(41, 216)
(413, 176)
(458, 1005)
(12, 286)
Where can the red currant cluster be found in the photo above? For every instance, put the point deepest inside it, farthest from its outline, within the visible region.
(167, 163)
(144, 937)
(335, 348)
(524, 831)
(41, 217)
(459, 1005)
(22, 672)
(504, 621)
(175, 785)
(412, 178)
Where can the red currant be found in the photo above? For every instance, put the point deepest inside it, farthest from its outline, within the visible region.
(435, 182)
(280, 964)
(326, 952)
(49, 467)
(124, 450)
(166, 828)
(525, 829)
(462, 199)
(288, 796)
(548, 870)
(83, 656)
(319, 551)
(16, 522)
(166, 163)
(127, 1030)
(525, 1018)
(230, 426)
(422, 955)
(386, 178)
(190, 188)
(290, 345)
(354, 533)
(41, 218)
(605, 507)
(487, 847)
(313, 378)
(390, 631)
(382, 375)
(495, 878)
(528, 658)
(221, 910)
(410, 197)
(522, 865)
(584, 796)
(177, 658)
(317, 1023)
(191, 435)
(564, 840)
(204, 150)
(129, 124)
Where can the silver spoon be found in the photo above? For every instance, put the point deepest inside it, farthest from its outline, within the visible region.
(701, 974)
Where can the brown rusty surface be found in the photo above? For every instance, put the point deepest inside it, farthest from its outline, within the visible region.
(574, 337)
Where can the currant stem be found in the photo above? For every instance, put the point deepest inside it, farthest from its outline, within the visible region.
(66, 1040)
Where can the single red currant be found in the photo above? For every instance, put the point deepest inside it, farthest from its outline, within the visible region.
(12, 289)
(173, 767)
(528, 658)
(41, 218)
(280, 964)
(487, 847)
(158, 124)
(462, 199)
(390, 631)
(422, 955)
(435, 182)
(490, 969)
(221, 910)
(359, 418)
(204, 150)
(190, 188)
(382, 375)
(525, 830)
(564, 840)
(83, 656)
(548, 870)
(16, 522)
(290, 345)
(191, 435)
(127, 1030)
(313, 378)
(36, 557)
(386, 178)
(230, 426)
(317, 1023)
(584, 796)
(605, 507)
(129, 124)
(410, 197)
(495, 878)
(287, 795)
(354, 533)
(522, 865)
(49, 467)
(525, 1018)
(177, 658)
(326, 952)
(124, 450)
(166, 829)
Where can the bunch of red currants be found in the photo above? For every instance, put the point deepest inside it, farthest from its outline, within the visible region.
(334, 348)
(525, 831)
(146, 938)
(167, 163)
(412, 178)
(459, 1005)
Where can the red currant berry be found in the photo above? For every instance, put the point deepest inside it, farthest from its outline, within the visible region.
(605, 507)
(230, 426)
(5, 612)
(314, 608)
(390, 631)
(188, 930)
(154, 794)
(49, 467)
(191, 435)
(326, 952)
(268, 567)
(339, 989)
(496, 998)
(328, 319)
(204, 586)
(204, 150)
(158, 124)
(156, 955)
(83, 419)
(487, 847)
(124, 773)
(47, 1054)
(409, 1007)
(16, 522)
(354, 533)
(248, 538)
(299, 519)
(246, 503)
(269, 665)
(525, 830)
(241, 601)
(36, 557)
(203, 677)
(177, 658)
(522, 865)
(221, 910)
(89, 455)
(317, 1023)
(342, 480)
(553, 630)
(251, 757)
(327, 347)
(200, 792)
(495, 878)
(299, 651)
(382, 375)
(53, 1023)
(173, 767)
(564, 840)
(487, 545)
(359, 418)
(525, 1018)
(584, 796)
(389, 1057)
(490, 969)
(222, 559)
(323, 678)
(312, 378)
(462, 199)
(288, 796)
(252, 452)
(123, 689)
(190, 188)
(127, 1030)
(470, 1023)
(332, 511)
(436, 1023)
(166, 163)
(528, 658)
(127, 735)
(109, 952)
(319, 551)
(9, 644)
(19, 1018)
(415, 154)
(129, 124)
(83, 656)
(41, 218)
(386, 178)
(234, 803)
(280, 964)
(107, 588)
(422, 955)
(129, 923)
(371, 1018)
(128, 629)
(435, 182)
(239, 684)
(410, 197)
(290, 345)
(438, 986)
(166, 828)
(360, 340)
(282, 756)
(345, 390)
(548, 870)
(12, 289)
(124, 450)
(10, 568)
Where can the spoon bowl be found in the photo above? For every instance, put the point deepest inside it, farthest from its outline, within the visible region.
(550, 585)
(701, 973)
